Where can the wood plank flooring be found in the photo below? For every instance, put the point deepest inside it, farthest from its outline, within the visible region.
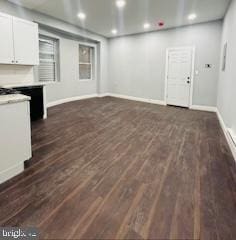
(108, 168)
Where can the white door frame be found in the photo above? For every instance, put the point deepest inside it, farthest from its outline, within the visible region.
(193, 48)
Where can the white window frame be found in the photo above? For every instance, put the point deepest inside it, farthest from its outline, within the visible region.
(93, 63)
(56, 57)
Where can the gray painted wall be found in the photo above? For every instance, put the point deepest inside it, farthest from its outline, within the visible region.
(69, 86)
(137, 62)
(226, 102)
(132, 65)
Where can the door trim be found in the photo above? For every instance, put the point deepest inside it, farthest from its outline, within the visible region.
(193, 48)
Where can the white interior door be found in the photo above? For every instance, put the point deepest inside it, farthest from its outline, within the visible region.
(6, 39)
(179, 72)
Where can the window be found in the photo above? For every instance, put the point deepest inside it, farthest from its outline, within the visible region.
(86, 55)
(48, 57)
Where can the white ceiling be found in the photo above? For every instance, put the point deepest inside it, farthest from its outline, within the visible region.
(103, 15)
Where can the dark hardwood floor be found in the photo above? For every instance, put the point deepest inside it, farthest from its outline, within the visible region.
(115, 169)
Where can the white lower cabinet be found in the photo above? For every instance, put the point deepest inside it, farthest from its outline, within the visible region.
(15, 138)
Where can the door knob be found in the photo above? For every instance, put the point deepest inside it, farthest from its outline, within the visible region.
(188, 82)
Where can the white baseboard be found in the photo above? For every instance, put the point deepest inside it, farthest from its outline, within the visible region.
(72, 99)
(232, 135)
(228, 134)
(159, 102)
(11, 172)
(203, 108)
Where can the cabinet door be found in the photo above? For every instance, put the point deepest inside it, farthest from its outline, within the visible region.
(26, 45)
(6, 39)
(15, 141)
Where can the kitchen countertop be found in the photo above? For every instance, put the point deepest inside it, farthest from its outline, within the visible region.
(29, 84)
(13, 98)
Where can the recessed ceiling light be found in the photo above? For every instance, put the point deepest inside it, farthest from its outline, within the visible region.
(146, 25)
(120, 3)
(114, 31)
(81, 15)
(192, 16)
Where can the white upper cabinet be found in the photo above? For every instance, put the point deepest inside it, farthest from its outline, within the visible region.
(6, 39)
(26, 42)
(18, 41)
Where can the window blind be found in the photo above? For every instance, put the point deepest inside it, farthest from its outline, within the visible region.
(48, 60)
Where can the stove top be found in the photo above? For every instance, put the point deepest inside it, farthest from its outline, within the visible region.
(8, 91)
